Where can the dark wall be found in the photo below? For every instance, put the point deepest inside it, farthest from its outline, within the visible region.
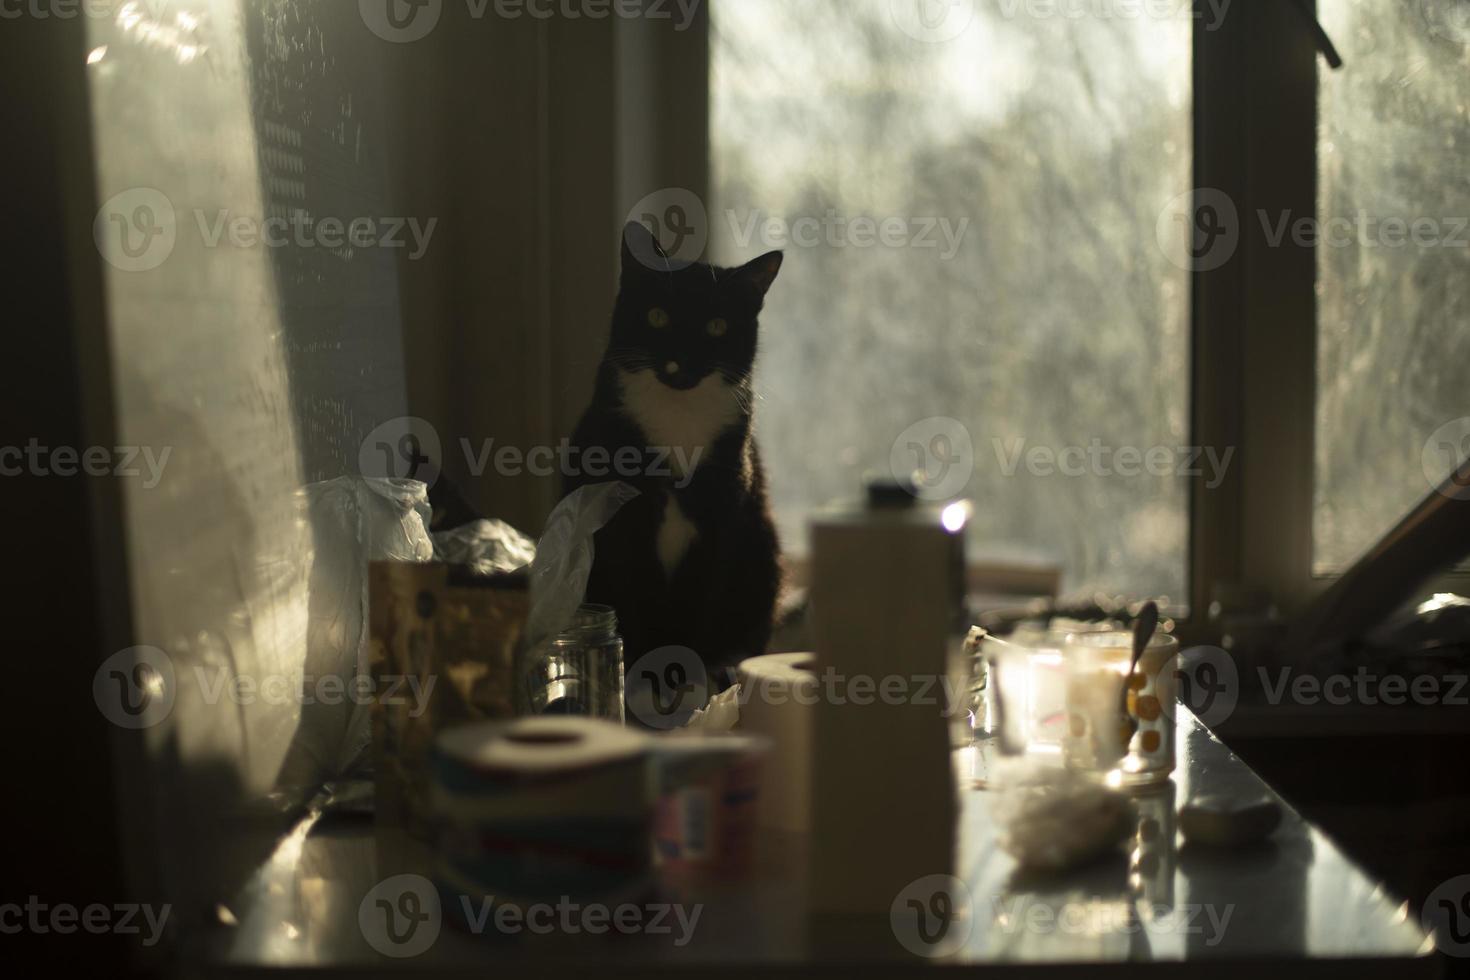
(60, 841)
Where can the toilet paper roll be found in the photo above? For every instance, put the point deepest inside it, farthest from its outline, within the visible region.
(540, 808)
(778, 693)
(709, 795)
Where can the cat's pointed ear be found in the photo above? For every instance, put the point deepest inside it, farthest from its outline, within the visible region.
(761, 272)
(641, 251)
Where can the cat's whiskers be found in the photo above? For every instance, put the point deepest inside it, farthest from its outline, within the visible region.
(629, 359)
(739, 387)
(743, 398)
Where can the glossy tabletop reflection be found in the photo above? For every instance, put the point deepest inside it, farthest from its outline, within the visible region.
(1295, 901)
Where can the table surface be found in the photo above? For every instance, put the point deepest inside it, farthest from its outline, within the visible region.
(1294, 902)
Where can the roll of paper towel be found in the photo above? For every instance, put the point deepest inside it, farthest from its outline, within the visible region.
(778, 692)
(539, 808)
(885, 593)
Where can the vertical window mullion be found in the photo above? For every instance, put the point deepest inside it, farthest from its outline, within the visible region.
(1255, 315)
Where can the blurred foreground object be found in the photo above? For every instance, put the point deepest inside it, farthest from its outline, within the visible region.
(443, 652)
(886, 595)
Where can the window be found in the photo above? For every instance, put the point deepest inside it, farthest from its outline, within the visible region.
(1392, 260)
(971, 213)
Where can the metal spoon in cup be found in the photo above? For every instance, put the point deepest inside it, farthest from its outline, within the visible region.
(1143, 633)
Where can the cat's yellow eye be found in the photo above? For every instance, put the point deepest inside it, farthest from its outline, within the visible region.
(717, 327)
(658, 318)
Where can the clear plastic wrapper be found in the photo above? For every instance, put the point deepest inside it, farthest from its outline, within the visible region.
(564, 556)
(354, 520)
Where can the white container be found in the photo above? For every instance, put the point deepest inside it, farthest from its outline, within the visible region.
(885, 590)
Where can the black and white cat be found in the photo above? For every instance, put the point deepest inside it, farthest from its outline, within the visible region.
(693, 561)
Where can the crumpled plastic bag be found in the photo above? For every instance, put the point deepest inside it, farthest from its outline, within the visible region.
(722, 713)
(354, 520)
(564, 556)
(485, 547)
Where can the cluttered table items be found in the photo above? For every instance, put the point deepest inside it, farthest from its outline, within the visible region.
(342, 894)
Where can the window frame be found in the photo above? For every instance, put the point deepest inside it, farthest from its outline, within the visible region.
(1255, 318)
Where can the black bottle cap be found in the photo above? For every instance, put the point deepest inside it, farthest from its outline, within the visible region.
(891, 494)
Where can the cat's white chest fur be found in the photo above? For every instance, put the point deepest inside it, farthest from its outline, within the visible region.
(675, 535)
(683, 422)
(682, 425)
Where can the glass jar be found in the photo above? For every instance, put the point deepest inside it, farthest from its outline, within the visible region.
(581, 671)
